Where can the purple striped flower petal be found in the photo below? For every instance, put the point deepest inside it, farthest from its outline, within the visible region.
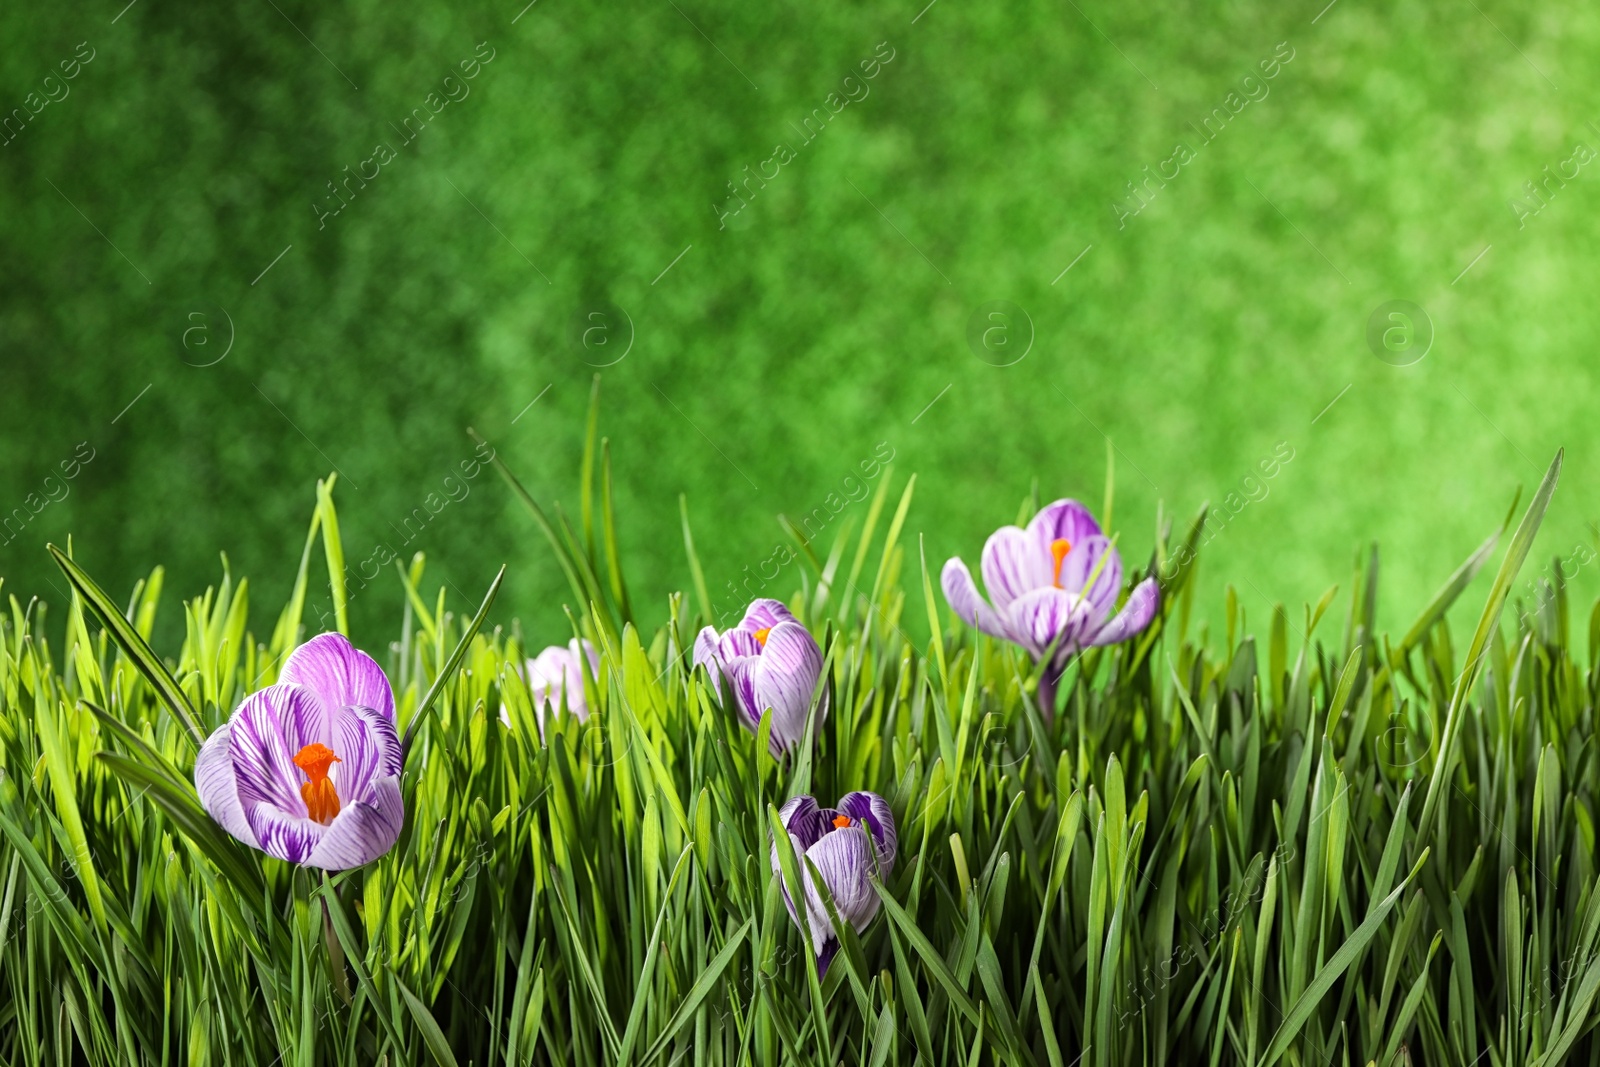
(363, 830)
(737, 643)
(368, 748)
(263, 765)
(962, 593)
(1082, 561)
(1065, 520)
(741, 675)
(1135, 615)
(844, 859)
(847, 858)
(219, 792)
(250, 784)
(340, 674)
(1050, 617)
(805, 821)
(764, 614)
(786, 676)
(873, 810)
(1012, 566)
(283, 835)
(705, 654)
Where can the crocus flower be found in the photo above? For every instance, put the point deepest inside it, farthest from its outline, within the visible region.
(555, 676)
(770, 661)
(1053, 588)
(849, 844)
(308, 770)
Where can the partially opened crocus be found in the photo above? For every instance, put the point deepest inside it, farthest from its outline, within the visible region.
(555, 679)
(1053, 587)
(770, 661)
(308, 770)
(850, 845)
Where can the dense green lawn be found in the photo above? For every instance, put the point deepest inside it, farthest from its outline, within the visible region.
(586, 168)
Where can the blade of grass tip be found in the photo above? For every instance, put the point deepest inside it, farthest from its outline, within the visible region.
(801, 542)
(934, 628)
(134, 646)
(425, 619)
(452, 663)
(288, 628)
(1111, 485)
(1516, 553)
(863, 546)
(1453, 587)
(891, 538)
(595, 596)
(333, 548)
(539, 518)
(608, 529)
(695, 571)
(591, 434)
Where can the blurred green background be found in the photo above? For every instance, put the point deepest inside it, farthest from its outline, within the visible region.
(176, 196)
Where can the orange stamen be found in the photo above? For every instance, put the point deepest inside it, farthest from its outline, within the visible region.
(761, 636)
(1059, 549)
(841, 821)
(322, 800)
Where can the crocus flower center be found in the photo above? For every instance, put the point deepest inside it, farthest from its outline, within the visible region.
(322, 801)
(1059, 549)
(761, 636)
(841, 821)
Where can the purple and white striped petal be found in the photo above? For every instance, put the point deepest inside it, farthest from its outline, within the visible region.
(219, 791)
(1084, 560)
(844, 859)
(1065, 520)
(264, 770)
(286, 836)
(741, 675)
(873, 811)
(805, 822)
(1135, 615)
(1050, 617)
(1013, 565)
(765, 613)
(738, 643)
(962, 593)
(363, 830)
(786, 676)
(705, 654)
(340, 674)
(368, 749)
